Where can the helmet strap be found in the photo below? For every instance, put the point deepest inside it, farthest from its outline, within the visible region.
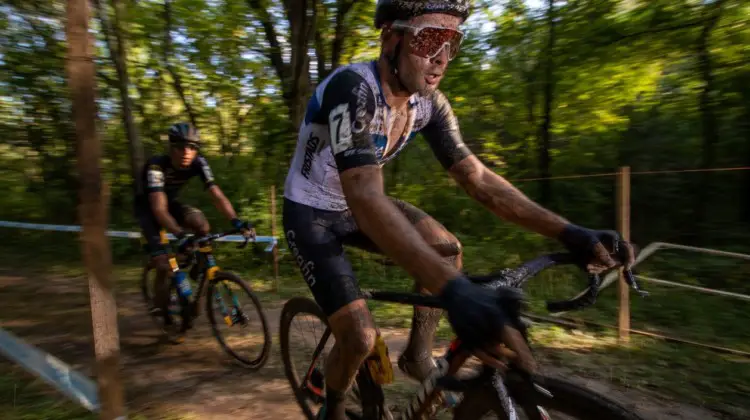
(393, 62)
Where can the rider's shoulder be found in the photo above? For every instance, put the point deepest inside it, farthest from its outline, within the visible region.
(157, 162)
(200, 160)
(439, 99)
(440, 106)
(351, 80)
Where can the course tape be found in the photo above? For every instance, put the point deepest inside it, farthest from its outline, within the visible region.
(53, 370)
(270, 240)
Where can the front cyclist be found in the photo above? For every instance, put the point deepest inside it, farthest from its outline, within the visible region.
(360, 117)
(157, 207)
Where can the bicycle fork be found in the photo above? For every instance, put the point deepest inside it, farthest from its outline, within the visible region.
(231, 315)
(498, 383)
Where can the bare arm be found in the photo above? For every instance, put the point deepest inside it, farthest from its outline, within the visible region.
(490, 189)
(505, 200)
(221, 202)
(160, 209)
(385, 225)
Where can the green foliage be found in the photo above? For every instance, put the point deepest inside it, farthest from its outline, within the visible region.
(628, 81)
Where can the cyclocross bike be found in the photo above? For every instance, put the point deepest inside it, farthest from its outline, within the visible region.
(222, 290)
(510, 394)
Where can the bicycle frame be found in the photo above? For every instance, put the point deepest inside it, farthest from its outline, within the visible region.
(205, 265)
(440, 379)
(455, 356)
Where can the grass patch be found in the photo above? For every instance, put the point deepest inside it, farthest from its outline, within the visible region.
(23, 397)
(700, 377)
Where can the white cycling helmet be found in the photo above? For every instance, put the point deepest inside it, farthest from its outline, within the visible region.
(390, 10)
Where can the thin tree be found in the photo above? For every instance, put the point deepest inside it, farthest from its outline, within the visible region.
(118, 55)
(93, 209)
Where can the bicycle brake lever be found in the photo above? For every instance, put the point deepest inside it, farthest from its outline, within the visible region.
(244, 244)
(630, 279)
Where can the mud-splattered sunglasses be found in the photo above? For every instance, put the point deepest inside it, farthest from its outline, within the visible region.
(181, 145)
(427, 41)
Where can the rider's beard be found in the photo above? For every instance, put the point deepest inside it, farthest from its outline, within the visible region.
(413, 71)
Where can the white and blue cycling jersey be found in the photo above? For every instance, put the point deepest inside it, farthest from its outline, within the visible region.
(345, 126)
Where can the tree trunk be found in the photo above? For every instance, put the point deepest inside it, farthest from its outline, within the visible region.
(708, 120)
(320, 46)
(302, 17)
(526, 160)
(344, 7)
(544, 130)
(176, 78)
(118, 55)
(746, 126)
(93, 209)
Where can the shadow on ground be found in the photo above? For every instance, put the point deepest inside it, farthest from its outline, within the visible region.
(196, 377)
(198, 380)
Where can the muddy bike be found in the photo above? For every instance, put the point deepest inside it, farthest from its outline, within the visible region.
(223, 295)
(510, 393)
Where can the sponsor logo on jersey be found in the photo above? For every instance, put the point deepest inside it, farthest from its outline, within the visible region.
(310, 149)
(361, 112)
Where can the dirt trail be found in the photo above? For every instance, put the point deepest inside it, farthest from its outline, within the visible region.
(196, 378)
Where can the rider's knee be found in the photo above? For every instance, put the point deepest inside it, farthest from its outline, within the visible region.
(354, 329)
(362, 341)
(197, 222)
(444, 242)
(450, 248)
(161, 263)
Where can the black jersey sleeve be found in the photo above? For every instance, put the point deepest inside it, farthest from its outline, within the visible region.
(348, 107)
(442, 133)
(200, 165)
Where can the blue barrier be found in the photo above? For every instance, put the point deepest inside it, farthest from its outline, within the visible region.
(54, 371)
(270, 240)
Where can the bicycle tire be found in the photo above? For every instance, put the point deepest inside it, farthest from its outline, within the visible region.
(567, 397)
(260, 361)
(292, 308)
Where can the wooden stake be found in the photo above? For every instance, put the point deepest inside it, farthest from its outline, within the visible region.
(92, 210)
(623, 219)
(273, 233)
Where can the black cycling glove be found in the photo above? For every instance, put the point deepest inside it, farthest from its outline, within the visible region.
(239, 224)
(582, 243)
(475, 313)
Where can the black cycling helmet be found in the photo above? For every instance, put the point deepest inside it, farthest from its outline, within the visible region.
(183, 132)
(390, 10)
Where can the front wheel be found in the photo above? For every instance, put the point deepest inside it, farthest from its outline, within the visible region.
(567, 401)
(225, 296)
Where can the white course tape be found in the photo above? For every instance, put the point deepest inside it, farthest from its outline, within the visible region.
(270, 240)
